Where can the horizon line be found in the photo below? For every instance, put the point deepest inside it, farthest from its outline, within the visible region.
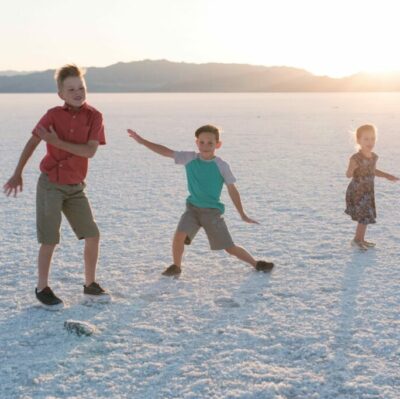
(365, 72)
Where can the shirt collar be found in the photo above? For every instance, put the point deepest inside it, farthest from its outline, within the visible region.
(69, 108)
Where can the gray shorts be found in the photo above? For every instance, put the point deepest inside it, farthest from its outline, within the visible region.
(52, 199)
(213, 223)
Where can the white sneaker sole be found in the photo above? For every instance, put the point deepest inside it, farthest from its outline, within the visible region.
(52, 308)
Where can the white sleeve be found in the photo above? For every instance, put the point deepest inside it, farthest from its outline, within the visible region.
(184, 157)
(226, 172)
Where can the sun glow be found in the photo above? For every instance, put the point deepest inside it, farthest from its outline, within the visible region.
(327, 38)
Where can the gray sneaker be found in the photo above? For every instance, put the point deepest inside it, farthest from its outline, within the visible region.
(263, 266)
(95, 290)
(172, 270)
(47, 298)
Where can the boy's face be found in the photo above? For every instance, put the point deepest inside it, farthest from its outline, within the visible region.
(367, 140)
(73, 91)
(207, 144)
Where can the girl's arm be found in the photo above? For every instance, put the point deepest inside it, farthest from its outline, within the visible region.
(235, 197)
(380, 173)
(353, 165)
(15, 182)
(157, 148)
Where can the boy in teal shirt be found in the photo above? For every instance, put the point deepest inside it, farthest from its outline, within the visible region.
(206, 175)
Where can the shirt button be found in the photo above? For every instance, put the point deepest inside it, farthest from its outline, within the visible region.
(61, 165)
(74, 117)
(71, 130)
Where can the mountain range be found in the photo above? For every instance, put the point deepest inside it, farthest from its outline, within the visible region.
(167, 76)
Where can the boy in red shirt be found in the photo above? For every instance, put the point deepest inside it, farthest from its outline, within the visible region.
(72, 134)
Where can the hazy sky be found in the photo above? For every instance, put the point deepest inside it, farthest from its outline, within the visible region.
(336, 38)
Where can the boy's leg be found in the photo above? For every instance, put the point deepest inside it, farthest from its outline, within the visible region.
(187, 229)
(178, 246)
(220, 238)
(48, 220)
(77, 210)
(44, 261)
(241, 254)
(91, 254)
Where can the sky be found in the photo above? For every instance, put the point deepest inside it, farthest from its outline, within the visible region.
(335, 38)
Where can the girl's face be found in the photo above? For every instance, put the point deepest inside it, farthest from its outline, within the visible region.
(367, 140)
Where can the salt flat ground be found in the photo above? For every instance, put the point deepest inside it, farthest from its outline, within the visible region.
(324, 324)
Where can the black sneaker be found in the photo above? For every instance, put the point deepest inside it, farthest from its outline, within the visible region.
(47, 297)
(94, 289)
(263, 266)
(172, 270)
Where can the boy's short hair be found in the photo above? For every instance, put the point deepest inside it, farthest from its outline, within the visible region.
(67, 71)
(208, 129)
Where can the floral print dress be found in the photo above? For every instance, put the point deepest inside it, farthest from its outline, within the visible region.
(360, 194)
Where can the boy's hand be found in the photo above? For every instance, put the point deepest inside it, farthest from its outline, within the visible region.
(246, 219)
(12, 185)
(135, 136)
(392, 178)
(46, 135)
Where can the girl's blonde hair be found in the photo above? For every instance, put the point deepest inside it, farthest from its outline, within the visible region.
(364, 128)
(361, 130)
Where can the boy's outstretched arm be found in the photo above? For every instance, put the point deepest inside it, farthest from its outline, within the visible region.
(157, 148)
(235, 197)
(15, 182)
(388, 176)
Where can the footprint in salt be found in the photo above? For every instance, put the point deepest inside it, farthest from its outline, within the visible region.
(226, 303)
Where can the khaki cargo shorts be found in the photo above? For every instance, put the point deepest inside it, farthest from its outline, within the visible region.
(52, 199)
(213, 223)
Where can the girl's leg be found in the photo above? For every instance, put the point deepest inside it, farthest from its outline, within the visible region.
(91, 254)
(178, 246)
(44, 260)
(241, 254)
(360, 232)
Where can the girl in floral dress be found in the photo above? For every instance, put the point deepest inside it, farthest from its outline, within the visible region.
(360, 195)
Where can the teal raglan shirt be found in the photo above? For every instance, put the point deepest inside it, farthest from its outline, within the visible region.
(205, 179)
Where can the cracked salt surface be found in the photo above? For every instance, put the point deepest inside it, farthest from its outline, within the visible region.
(324, 324)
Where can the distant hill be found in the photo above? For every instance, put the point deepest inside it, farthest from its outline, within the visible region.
(13, 73)
(166, 76)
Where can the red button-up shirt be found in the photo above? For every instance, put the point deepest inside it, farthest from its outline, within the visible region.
(73, 126)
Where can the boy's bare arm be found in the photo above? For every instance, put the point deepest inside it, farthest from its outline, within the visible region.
(15, 183)
(235, 197)
(157, 148)
(83, 150)
(380, 173)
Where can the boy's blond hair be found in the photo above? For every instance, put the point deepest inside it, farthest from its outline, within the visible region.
(67, 71)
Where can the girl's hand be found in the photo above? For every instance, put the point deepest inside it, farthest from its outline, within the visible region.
(135, 136)
(13, 184)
